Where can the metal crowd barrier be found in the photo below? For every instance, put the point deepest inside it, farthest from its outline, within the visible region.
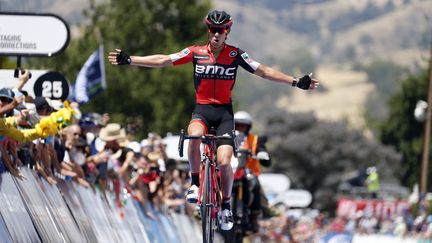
(32, 210)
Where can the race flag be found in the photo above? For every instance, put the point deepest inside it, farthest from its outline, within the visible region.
(91, 78)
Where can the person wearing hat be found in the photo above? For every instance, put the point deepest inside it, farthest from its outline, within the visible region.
(372, 182)
(112, 139)
(9, 133)
(91, 124)
(114, 131)
(8, 124)
(8, 101)
(43, 105)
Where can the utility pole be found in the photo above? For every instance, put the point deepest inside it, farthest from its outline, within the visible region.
(427, 131)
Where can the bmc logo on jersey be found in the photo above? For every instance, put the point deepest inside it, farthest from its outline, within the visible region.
(216, 70)
(233, 54)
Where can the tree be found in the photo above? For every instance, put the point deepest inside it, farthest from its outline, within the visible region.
(402, 131)
(162, 98)
(316, 154)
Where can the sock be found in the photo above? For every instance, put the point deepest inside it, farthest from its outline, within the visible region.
(195, 179)
(226, 203)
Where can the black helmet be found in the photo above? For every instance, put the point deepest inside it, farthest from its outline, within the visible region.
(218, 18)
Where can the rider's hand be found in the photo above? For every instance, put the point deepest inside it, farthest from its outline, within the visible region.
(306, 82)
(119, 57)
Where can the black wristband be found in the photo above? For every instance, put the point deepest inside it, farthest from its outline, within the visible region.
(294, 82)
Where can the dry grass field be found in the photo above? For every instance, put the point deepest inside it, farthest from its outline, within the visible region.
(344, 97)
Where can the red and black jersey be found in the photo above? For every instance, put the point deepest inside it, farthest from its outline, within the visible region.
(214, 78)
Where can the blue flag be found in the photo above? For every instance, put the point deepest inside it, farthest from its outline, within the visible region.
(91, 78)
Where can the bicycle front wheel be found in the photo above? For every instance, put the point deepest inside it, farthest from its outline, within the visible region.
(207, 219)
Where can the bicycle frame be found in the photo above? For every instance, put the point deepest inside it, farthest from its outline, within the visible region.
(210, 195)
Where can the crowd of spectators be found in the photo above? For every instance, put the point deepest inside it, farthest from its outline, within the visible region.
(412, 223)
(106, 156)
(91, 150)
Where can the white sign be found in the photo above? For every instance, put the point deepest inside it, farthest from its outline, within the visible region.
(294, 198)
(32, 34)
(7, 80)
(274, 183)
(172, 142)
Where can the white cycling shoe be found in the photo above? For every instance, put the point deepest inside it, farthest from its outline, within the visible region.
(192, 194)
(227, 221)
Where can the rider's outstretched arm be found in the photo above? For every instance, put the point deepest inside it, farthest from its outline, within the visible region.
(152, 61)
(119, 57)
(278, 76)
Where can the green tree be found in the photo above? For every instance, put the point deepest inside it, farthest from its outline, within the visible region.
(401, 129)
(162, 99)
(316, 154)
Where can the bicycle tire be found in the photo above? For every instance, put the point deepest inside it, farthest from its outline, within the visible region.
(207, 219)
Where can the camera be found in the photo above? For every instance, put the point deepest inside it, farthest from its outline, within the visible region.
(16, 72)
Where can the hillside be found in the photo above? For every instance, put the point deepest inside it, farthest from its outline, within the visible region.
(336, 33)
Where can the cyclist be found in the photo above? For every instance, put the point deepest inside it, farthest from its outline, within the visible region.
(256, 144)
(215, 66)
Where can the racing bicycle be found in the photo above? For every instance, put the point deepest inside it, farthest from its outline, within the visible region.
(210, 195)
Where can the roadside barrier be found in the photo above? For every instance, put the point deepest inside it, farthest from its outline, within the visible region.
(32, 210)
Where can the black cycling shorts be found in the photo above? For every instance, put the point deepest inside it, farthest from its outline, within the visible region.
(219, 117)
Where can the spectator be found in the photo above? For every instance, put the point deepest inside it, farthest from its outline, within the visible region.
(114, 137)
(372, 182)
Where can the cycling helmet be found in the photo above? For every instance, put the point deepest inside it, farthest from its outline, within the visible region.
(242, 117)
(218, 18)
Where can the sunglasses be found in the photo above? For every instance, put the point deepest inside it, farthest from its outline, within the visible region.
(214, 30)
(5, 100)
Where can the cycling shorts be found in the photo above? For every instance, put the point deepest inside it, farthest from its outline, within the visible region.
(219, 117)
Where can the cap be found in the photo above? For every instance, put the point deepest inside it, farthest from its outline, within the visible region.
(42, 103)
(89, 120)
(7, 93)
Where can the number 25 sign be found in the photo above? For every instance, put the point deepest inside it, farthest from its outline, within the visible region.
(52, 85)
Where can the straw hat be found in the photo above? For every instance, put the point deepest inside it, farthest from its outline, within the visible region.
(112, 131)
(153, 157)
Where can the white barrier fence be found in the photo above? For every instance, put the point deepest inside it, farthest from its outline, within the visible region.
(32, 210)
(384, 239)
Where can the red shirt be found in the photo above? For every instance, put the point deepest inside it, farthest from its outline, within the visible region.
(214, 78)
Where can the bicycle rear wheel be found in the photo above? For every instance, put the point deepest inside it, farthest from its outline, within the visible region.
(207, 218)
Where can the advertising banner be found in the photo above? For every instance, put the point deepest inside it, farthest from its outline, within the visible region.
(370, 207)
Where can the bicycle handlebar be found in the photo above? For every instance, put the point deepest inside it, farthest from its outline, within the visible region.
(207, 138)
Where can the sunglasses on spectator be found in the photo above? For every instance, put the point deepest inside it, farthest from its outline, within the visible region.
(5, 100)
(215, 30)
